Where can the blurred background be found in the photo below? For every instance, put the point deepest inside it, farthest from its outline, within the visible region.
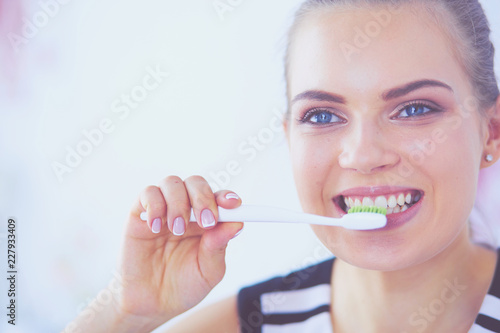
(101, 98)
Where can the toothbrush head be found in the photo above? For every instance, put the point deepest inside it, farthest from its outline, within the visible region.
(365, 218)
(368, 209)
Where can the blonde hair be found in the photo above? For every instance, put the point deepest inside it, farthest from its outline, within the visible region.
(469, 30)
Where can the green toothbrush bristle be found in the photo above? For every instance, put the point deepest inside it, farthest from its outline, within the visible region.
(368, 209)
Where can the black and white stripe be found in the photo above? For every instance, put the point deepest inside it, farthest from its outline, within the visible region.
(296, 303)
(488, 319)
(300, 303)
(299, 309)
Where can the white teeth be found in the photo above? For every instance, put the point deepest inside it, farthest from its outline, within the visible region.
(367, 202)
(392, 202)
(401, 199)
(381, 202)
(408, 198)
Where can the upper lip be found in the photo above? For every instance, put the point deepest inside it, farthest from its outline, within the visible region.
(374, 191)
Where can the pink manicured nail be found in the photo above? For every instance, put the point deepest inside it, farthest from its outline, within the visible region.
(156, 226)
(231, 195)
(238, 233)
(207, 218)
(179, 228)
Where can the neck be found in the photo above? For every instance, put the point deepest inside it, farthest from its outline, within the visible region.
(430, 294)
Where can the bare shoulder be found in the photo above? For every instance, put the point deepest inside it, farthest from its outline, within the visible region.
(220, 317)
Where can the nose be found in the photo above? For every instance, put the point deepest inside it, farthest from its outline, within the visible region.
(366, 148)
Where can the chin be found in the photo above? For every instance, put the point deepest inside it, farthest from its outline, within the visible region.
(383, 262)
(361, 249)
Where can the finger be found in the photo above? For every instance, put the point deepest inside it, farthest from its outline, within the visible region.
(227, 199)
(212, 250)
(178, 204)
(203, 201)
(152, 202)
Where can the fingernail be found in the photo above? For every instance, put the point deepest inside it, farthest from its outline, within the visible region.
(232, 196)
(156, 226)
(179, 228)
(207, 218)
(238, 233)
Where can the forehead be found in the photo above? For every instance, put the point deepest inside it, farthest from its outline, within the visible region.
(369, 48)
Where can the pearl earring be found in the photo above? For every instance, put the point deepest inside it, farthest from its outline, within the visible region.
(489, 158)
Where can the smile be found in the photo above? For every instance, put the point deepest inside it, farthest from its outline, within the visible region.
(396, 202)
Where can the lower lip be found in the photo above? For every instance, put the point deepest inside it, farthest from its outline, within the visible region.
(396, 220)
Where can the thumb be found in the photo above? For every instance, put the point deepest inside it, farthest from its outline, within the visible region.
(212, 250)
(227, 199)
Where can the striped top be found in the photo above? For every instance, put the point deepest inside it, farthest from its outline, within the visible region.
(300, 303)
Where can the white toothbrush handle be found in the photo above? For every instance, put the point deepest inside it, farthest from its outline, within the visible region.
(250, 213)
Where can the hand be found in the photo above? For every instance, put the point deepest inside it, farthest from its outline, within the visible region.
(169, 264)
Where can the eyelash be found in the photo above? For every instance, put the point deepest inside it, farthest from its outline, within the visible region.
(306, 118)
(433, 108)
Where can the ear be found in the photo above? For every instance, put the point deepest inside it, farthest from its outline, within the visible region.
(492, 137)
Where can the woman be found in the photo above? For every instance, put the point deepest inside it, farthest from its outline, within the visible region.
(394, 104)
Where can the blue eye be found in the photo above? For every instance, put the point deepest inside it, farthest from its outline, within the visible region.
(414, 110)
(321, 117)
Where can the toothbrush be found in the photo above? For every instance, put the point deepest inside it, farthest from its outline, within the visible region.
(358, 218)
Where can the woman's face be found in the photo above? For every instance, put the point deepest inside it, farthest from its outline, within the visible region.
(382, 113)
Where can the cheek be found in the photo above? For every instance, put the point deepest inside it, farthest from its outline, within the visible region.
(449, 159)
(313, 161)
(456, 166)
(446, 164)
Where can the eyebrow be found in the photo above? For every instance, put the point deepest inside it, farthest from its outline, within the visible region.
(323, 96)
(320, 96)
(412, 86)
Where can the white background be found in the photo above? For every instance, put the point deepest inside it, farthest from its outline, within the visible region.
(225, 85)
